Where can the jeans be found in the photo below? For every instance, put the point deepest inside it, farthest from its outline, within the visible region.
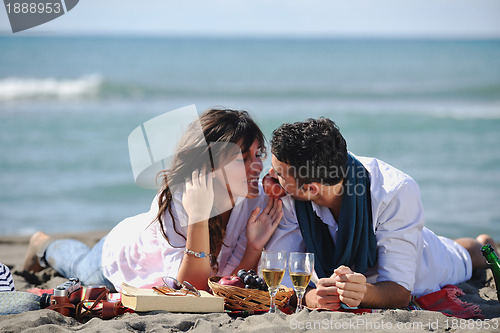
(72, 258)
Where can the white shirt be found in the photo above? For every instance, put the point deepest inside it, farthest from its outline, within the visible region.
(407, 252)
(136, 252)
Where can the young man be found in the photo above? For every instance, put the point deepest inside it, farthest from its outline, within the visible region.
(363, 219)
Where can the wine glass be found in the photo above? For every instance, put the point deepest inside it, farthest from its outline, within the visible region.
(301, 267)
(273, 265)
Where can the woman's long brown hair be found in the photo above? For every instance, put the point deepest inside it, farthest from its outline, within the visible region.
(221, 126)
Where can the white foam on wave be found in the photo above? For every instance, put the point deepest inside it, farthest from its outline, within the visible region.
(15, 88)
(468, 111)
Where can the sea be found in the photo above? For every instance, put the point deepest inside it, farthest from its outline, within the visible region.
(68, 104)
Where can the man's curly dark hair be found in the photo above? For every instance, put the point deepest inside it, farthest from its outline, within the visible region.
(314, 148)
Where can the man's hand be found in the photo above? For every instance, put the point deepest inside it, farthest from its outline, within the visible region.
(343, 286)
(351, 286)
(325, 296)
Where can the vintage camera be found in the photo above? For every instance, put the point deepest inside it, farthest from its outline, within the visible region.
(64, 298)
(68, 300)
(71, 289)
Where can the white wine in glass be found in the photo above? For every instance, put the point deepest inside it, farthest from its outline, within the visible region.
(273, 265)
(301, 267)
(273, 277)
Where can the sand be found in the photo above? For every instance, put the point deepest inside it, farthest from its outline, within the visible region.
(479, 290)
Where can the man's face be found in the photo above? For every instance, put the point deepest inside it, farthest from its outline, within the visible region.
(286, 176)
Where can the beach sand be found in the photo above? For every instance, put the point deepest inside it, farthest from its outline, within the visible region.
(479, 290)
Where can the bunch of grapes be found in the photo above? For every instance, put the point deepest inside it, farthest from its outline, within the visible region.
(252, 280)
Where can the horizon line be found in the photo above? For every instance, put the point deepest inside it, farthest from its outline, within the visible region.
(421, 37)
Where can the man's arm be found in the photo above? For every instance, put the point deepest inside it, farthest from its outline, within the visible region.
(352, 289)
(385, 294)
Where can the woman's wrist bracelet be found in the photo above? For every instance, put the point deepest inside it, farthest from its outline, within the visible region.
(197, 254)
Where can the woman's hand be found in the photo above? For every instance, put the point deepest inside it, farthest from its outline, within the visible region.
(197, 200)
(198, 196)
(261, 227)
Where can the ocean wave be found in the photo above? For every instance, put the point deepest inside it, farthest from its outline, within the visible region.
(479, 112)
(95, 86)
(15, 88)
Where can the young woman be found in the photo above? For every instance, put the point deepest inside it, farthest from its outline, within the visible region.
(209, 218)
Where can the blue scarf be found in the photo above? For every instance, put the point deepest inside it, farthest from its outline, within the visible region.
(356, 245)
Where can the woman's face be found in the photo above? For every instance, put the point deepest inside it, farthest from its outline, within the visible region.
(242, 173)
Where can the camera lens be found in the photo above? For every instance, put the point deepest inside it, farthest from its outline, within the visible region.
(45, 300)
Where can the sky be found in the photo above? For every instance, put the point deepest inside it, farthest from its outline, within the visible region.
(277, 18)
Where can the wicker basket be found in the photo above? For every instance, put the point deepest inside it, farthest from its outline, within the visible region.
(236, 298)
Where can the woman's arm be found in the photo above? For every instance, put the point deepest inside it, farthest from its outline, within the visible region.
(193, 269)
(197, 200)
